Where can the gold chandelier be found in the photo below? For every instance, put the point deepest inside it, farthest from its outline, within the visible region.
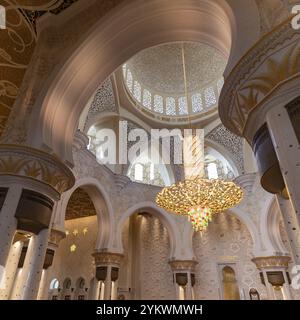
(199, 199)
(196, 197)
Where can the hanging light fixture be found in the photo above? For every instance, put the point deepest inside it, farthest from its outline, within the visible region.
(196, 197)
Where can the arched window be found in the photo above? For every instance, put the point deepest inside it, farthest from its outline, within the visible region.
(142, 169)
(137, 91)
(67, 290)
(182, 106)
(100, 152)
(147, 99)
(212, 171)
(210, 97)
(54, 284)
(197, 103)
(230, 285)
(170, 106)
(158, 104)
(139, 172)
(80, 292)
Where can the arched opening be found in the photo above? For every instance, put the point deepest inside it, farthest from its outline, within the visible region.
(143, 170)
(87, 227)
(230, 284)
(140, 232)
(145, 273)
(54, 289)
(202, 21)
(81, 290)
(228, 241)
(67, 290)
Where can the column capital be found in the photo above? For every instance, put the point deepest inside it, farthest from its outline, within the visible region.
(107, 258)
(183, 265)
(27, 162)
(271, 262)
(55, 237)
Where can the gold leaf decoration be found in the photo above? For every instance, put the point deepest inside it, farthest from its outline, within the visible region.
(17, 44)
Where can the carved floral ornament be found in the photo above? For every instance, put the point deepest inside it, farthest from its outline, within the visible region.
(55, 237)
(181, 265)
(271, 262)
(18, 42)
(107, 258)
(274, 59)
(35, 164)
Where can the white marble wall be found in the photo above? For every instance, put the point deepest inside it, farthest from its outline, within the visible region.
(226, 242)
(79, 263)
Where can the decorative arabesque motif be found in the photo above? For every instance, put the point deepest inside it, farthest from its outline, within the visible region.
(103, 101)
(232, 142)
(37, 165)
(274, 59)
(17, 45)
(201, 101)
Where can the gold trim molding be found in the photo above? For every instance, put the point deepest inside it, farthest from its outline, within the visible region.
(274, 59)
(55, 237)
(180, 265)
(35, 164)
(272, 262)
(107, 258)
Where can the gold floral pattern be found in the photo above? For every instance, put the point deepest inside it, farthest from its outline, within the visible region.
(35, 164)
(273, 60)
(17, 44)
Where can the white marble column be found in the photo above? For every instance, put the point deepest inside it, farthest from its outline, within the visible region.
(275, 264)
(108, 260)
(11, 270)
(187, 267)
(96, 290)
(8, 224)
(54, 239)
(33, 265)
(107, 290)
(270, 291)
(291, 226)
(189, 288)
(287, 149)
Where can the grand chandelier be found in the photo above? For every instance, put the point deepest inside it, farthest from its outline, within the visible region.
(196, 197)
(199, 199)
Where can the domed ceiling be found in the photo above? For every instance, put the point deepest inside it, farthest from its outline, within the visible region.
(155, 79)
(160, 69)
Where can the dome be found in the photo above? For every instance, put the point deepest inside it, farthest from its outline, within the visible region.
(154, 78)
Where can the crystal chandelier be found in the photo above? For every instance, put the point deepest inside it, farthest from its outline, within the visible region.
(196, 197)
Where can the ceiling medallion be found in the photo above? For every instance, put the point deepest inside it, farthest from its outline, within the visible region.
(196, 197)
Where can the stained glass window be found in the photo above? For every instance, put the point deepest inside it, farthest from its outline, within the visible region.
(158, 104)
(197, 103)
(147, 99)
(170, 106)
(129, 81)
(137, 91)
(210, 97)
(182, 106)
